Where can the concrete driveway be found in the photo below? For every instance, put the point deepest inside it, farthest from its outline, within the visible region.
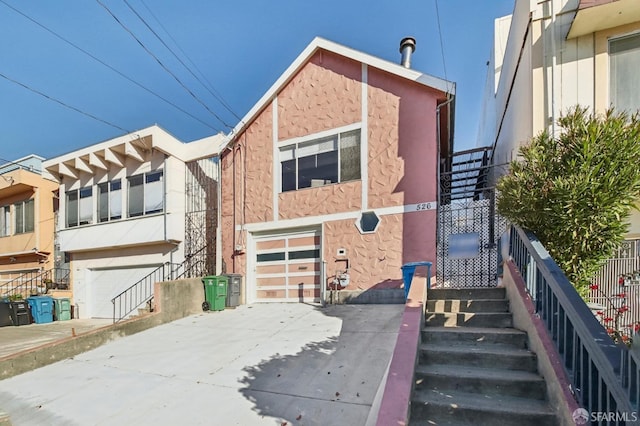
(274, 364)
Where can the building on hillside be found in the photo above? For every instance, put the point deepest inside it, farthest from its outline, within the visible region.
(139, 204)
(27, 204)
(331, 179)
(550, 56)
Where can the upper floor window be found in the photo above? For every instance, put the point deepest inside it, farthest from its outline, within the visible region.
(110, 200)
(25, 218)
(146, 194)
(321, 161)
(5, 221)
(624, 63)
(80, 207)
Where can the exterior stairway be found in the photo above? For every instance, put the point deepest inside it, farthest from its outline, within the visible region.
(474, 368)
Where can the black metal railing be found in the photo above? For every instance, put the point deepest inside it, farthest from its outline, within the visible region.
(605, 376)
(141, 292)
(36, 282)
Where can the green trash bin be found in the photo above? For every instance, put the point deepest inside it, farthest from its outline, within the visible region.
(62, 309)
(215, 292)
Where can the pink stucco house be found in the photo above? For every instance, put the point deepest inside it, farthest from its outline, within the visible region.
(330, 182)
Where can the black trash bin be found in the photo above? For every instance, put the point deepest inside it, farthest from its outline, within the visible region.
(20, 314)
(233, 292)
(5, 312)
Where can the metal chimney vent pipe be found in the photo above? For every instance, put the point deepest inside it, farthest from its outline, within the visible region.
(407, 47)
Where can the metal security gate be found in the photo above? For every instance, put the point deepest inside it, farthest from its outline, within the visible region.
(469, 228)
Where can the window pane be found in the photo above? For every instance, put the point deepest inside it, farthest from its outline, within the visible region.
(85, 206)
(153, 193)
(136, 196)
(304, 254)
(72, 208)
(289, 175)
(317, 147)
(624, 83)
(318, 170)
(270, 257)
(350, 156)
(29, 218)
(5, 221)
(103, 202)
(19, 209)
(115, 200)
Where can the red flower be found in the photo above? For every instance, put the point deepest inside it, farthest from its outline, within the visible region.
(623, 309)
(608, 319)
(609, 330)
(621, 281)
(599, 313)
(593, 286)
(625, 338)
(622, 295)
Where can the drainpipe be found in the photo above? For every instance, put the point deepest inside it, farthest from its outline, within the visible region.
(553, 69)
(219, 219)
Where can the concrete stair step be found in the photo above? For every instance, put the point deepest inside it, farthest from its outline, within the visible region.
(482, 305)
(436, 407)
(474, 335)
(491, 381)
(467, 293)
(469, 319)
(485, 356)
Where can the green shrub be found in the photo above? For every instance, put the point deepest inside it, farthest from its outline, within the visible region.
(575, 191)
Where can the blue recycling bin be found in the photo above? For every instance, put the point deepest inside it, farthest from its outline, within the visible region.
(408, 269)
(41, 308)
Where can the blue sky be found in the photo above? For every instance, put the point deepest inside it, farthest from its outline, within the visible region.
(241, 47)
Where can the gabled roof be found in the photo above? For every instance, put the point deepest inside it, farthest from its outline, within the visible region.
(319, 43)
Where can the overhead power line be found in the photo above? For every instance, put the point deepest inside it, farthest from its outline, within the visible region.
(444, 65)
(164, 67)
(44, 95)
(140, 85)
(209, 87)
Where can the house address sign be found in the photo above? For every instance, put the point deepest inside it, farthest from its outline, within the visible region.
(419, 207)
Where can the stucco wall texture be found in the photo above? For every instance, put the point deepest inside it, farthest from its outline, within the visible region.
(326, 93)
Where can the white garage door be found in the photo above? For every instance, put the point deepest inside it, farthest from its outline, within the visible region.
(288, 268)
(104, 284)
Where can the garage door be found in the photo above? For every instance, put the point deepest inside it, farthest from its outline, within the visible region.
(104, 284)
(288, 268)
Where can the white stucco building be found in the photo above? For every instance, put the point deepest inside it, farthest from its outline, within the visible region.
(124, 209)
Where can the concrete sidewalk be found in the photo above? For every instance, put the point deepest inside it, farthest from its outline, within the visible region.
(258, 364)
(15, 339)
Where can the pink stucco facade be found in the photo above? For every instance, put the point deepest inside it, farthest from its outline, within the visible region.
(399, 160)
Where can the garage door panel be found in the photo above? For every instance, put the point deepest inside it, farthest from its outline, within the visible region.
(272, 294)
(288, 267)
(105, 284)
(304, 267)
(271, 269)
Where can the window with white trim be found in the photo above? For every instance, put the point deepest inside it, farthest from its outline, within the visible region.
(624, 63)
(110, 200)
(25, 219)
(321, 161)
(146, 194)
(79, 207)
(5, 221)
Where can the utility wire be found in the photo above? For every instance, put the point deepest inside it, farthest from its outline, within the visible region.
(107, 65)
(216, 94)
(444, 65)
(44, 95)
(193, 95)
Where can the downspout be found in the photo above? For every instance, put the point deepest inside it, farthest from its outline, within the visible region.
(219, 219)
(553, 69)
(164, 206)
(233, 256)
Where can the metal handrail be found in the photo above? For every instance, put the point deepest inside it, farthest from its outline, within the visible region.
(36, 280)
(605, 377)
(141, 292)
